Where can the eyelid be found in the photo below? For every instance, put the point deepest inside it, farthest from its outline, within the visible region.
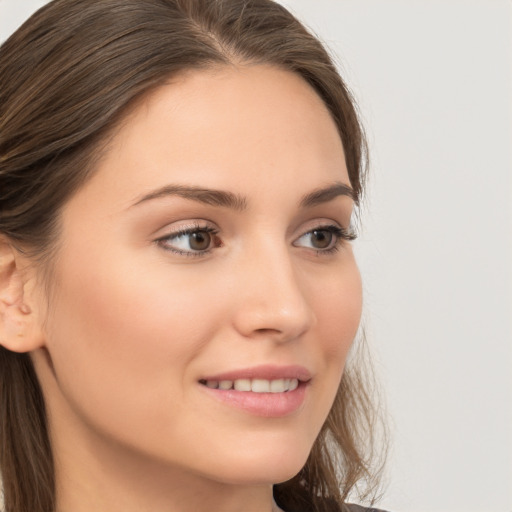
(347, 232)
(183, 226)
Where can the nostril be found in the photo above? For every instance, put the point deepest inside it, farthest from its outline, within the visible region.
(267, 331)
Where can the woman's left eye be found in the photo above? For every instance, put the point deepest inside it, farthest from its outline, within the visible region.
(191, 242)
(324, 238)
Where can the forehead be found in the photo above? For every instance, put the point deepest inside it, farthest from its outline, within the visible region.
(229, 127)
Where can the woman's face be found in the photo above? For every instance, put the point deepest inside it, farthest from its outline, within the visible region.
(207, 252)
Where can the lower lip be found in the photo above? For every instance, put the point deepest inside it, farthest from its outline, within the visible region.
(268, 405)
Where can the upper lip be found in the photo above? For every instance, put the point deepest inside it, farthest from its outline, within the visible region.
(267, 372)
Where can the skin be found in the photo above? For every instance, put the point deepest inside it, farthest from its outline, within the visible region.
(133, 326)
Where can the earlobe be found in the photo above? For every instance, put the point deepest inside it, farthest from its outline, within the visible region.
(19, 328)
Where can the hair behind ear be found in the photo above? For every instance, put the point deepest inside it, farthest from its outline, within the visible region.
(25, 460)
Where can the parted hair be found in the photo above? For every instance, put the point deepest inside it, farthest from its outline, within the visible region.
(68, 77)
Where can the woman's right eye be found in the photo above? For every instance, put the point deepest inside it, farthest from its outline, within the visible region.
(191, 241)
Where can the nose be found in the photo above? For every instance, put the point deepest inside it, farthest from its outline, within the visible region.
(271, 299)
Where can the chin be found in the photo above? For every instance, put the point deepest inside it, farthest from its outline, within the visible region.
(264, 466)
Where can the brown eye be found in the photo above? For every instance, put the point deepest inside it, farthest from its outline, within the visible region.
(200, 240)
(321, 238)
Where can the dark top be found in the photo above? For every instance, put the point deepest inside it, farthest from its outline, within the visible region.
(351, 507)
(302, 504)
(359, 508)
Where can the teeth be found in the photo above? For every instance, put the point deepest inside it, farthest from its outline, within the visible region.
(277, 386)
(243, 385)
(293, 384)
(255, 385)
(260, 386)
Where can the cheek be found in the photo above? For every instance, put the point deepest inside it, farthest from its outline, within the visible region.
(338, 312)
(338, 306)
(122, 299)
(121, 337)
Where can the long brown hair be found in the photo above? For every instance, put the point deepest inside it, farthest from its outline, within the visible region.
(67, 78)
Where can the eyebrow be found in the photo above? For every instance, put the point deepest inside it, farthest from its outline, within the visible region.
(202, 195)
(237, 202)
(326, 194)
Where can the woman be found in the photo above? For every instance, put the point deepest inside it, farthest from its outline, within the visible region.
(178, 290)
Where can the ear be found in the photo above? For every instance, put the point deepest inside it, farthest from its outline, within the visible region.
(20, 330)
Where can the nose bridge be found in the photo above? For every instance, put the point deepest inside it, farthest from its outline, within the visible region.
(272, 300)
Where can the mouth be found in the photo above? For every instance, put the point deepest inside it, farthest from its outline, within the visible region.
(267, 391)
(253, 385)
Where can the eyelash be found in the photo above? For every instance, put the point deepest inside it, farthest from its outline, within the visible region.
(342, 236)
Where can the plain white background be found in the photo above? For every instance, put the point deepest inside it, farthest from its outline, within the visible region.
(434, 84)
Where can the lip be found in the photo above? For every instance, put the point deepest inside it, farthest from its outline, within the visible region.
(267, 405)
(267, 372)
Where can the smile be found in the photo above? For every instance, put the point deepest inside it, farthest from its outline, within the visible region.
(254, 385)
(267, 391)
